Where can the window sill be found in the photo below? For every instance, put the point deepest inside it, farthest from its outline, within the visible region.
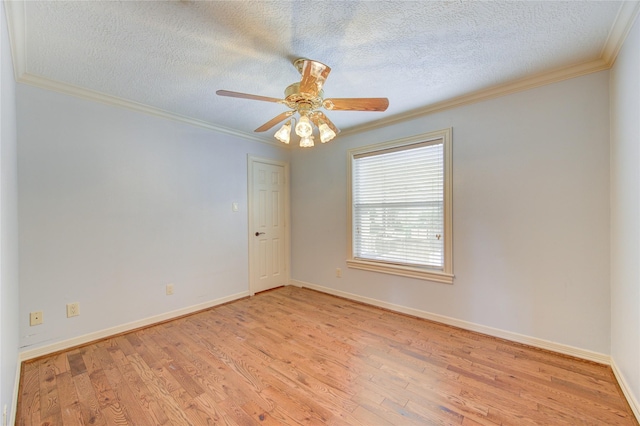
(403, 271)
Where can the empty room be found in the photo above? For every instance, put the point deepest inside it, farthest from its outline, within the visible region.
(320, 212)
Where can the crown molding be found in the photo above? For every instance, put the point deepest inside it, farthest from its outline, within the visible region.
(627, 14)
(523, 84)
(80, 92)
(17, 25)
(622, 25)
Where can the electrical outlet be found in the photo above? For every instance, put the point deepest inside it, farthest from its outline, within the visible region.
(338, 272)
(35, 318)
(73, 309)
(169, 289)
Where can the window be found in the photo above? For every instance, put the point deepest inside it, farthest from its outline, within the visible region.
(400, 207)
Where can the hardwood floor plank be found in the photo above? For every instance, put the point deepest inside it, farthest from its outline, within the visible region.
(233, 386)
(60, 363)
(602, 414)
(213, 411)
(69, 401)
(296, 356)
(141, 393)
(159, 391)
(206, 374)
(421, 414)
(133, 411)
(29, 404)
(203, 375)
(388, 412)
(50, 410)
(261, 416)
(122, 343)
(185, 372)
(88, 403)
(76, 363)
(297, 407)
(445, 396)
(315, 387)
(91, 362)
(236, 413)
(366, 417)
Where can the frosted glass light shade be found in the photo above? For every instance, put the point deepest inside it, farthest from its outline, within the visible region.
(326, 134)
(306, 142)
(304, 128)
(284, 134)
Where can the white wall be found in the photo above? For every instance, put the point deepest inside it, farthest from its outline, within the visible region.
(530, 208)
(625, 213)
(8, 223)
(114, 205)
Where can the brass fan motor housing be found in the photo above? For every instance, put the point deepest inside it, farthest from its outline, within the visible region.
(301, 101)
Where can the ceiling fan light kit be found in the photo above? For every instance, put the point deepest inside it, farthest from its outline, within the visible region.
(284, 134)
(306, 98)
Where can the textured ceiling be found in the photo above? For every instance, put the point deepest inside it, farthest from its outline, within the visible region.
(173, 56)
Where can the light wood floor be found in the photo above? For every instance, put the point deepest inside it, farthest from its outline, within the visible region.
(296, 356)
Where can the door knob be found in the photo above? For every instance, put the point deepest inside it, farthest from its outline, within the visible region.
(259, 233)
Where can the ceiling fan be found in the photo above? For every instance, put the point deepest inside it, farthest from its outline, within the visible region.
(306, 98)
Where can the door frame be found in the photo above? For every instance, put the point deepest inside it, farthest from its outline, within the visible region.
(251, 160)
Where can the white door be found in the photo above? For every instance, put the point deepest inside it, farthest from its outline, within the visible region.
(268, 225)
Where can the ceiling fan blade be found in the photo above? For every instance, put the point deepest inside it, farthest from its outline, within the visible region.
(246, 96)
(269, 124)
(356, 104)
(314, 74)
(318, 115)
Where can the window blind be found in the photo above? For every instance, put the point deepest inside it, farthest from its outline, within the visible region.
(398, 205)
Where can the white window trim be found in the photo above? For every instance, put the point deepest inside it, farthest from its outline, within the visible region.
(446, 274)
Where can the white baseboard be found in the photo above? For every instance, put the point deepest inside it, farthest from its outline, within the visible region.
(14, 401)
(495, 332)
(626, 390)
(81, 340)
(508, 335)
